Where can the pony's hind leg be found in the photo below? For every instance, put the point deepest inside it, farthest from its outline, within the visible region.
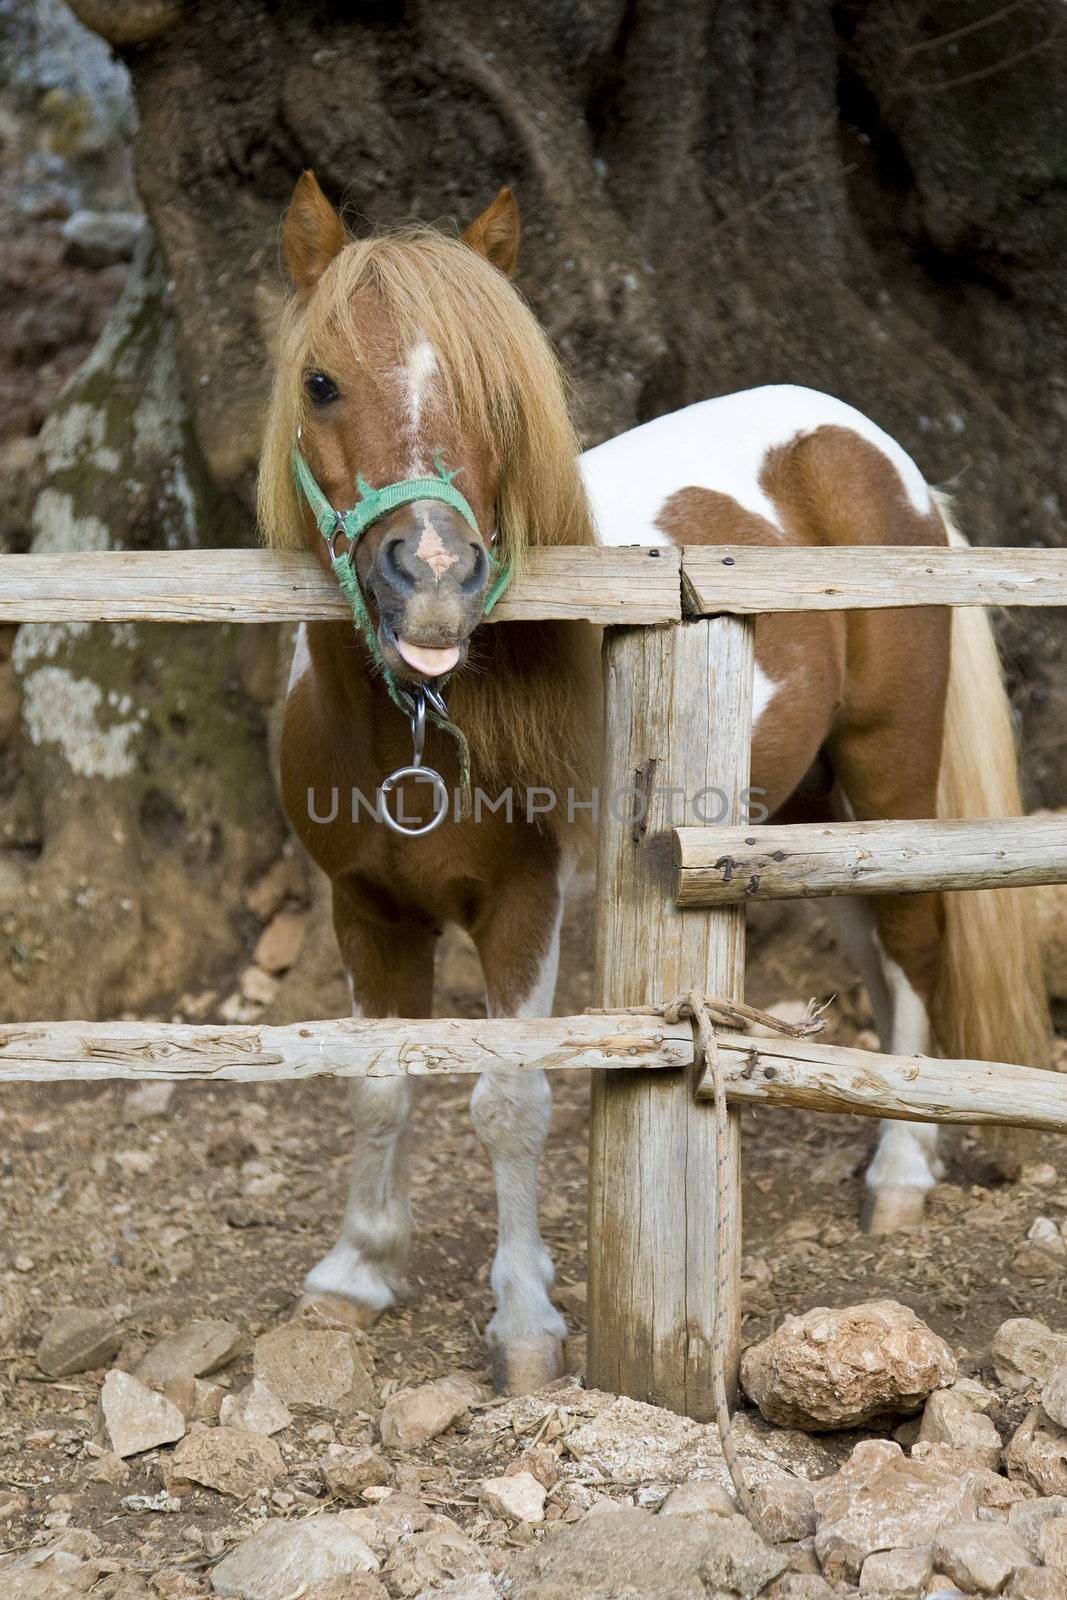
(906, 1164)
(519, 946)
(391, 973)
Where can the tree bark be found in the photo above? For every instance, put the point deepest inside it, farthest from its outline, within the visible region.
(146, 802)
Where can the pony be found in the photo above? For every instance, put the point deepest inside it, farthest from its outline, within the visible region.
(407, 363)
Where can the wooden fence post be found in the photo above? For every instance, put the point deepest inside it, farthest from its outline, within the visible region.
(678, 729)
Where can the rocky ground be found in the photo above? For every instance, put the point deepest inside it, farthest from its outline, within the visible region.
(175, 1417)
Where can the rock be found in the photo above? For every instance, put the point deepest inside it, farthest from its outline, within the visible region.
(841, 1368)
(197, 1399)
(314, 1367)
(282, 881)
(356, 1586)
(412, 1416)
(799, 1586)
(979, 1556)
(348, 1471)
(101, 238)
(258, 986)
(282, 1559)
(698, 1498)
(427, 1560)
(785, 1508)
(948, 1419)
(227, 1459)
(541, 1461)
(1044, 1233)
(1036, 1583)
(1028, 1517)
(517, 1497)
(135, 1418)
(1025, 1351)
(279, 943)
(1052, 1543)
(255, 1409)
(1037, 1453)
(901, 1573)
(882, 1501)
(76, 1340)
(148, 1100)
(14, 1315)
(1054, 1395)
(198, 1348)
(624, 1551)
(109, 1468)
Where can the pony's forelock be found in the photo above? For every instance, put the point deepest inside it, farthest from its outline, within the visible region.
(497, 376)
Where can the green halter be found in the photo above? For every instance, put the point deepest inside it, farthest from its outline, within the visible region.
(372, 505)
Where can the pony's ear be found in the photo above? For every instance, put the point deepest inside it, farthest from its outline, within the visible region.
(495, 234)
(312, 233)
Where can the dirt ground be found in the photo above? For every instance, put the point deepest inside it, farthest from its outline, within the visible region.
(218, 1208)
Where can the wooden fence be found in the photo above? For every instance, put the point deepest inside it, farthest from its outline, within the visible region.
(678, 653)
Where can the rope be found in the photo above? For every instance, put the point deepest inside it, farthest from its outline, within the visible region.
(709, 1013)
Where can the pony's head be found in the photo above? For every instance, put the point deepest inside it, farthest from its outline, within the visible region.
(406, 356)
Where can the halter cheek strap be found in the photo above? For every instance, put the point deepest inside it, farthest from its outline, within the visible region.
(372, 505)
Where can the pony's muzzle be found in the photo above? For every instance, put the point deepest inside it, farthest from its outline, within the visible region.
(428, 580)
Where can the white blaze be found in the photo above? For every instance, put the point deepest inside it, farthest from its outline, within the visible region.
(417, 376)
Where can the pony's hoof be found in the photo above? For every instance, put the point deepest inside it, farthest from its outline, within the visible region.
(526, 1364)
(892, 1207)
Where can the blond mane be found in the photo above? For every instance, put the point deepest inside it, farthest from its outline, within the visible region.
(499, 378)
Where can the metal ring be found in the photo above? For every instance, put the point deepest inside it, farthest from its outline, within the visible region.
(390, 783)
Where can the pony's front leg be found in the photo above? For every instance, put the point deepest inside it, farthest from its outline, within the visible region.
(511, 1109)
(391, 973)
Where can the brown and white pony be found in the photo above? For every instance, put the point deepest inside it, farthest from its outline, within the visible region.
(398, 347)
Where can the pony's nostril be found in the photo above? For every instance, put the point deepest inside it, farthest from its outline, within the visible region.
(389, 559)
(479, 572)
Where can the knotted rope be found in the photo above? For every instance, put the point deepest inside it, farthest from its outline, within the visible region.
(708, 1013)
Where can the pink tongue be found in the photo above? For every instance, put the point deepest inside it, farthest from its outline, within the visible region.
(431, 663)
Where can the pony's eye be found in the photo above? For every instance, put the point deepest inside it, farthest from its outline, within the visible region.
(321, 389)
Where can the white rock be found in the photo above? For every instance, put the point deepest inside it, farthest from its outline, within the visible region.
(283, 1559)
(136, 1418)
(700, 1497)
(255, 1409)
(198, 1348)
(979, 1556)
(412, 1416)
(1025, 1352)
(518, 1497)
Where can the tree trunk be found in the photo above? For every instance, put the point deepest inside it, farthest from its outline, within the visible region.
(715, 196)
(145, 802)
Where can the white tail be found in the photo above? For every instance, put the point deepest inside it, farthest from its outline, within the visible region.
(990, 1003)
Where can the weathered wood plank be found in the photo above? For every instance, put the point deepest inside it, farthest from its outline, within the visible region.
(746, 579)
(344, 1048)
(677, 718)
(634, 584)
(809, 1076)
(725, 866)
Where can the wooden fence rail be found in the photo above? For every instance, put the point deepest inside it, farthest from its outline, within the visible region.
(749, 579)
(801, 1073)
(728, 866)
(631, 584)
(342, 1048)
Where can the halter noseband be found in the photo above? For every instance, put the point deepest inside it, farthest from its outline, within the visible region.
(372, 505)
